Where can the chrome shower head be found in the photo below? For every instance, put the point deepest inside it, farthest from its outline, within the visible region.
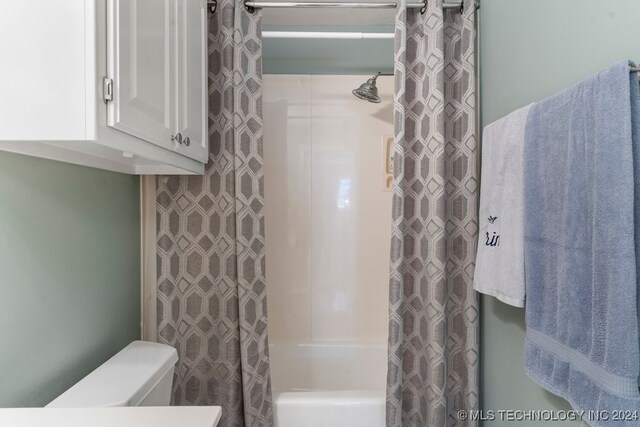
(368, 90)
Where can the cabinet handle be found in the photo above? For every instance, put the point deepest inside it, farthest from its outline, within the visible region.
(177, 138)
(187, 141)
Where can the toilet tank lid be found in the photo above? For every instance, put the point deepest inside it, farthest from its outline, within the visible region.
(123, 380)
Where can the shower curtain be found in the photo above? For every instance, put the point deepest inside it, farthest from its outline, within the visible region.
(210, 240)
(433, 310)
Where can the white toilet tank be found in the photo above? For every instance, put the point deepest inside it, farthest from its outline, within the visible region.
(141, 374)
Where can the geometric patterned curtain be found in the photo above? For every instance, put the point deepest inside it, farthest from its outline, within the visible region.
(433, 311)
(210, 240)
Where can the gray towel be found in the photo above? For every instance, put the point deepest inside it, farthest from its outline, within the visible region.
(581, 254)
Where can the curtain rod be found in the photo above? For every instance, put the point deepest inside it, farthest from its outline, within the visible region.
(341, 5)
(249, 4)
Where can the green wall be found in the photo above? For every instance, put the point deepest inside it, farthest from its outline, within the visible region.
(529, 50)
(70, 274)
(327, 56)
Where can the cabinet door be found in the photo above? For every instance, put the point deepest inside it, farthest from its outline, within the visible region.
(192, 77)
(47, 87)
(141, 62)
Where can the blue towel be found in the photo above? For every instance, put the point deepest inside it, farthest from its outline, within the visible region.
(581, 252)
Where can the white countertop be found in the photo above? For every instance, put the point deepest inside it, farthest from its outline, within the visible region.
(136, 416)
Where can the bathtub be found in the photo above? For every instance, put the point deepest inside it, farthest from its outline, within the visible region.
(328, 384)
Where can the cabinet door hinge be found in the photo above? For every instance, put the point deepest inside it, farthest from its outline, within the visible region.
(107, 89)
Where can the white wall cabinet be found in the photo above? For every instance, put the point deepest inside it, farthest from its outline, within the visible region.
(193, 93)
(115, 84)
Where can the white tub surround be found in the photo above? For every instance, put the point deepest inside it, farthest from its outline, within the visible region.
(327, 210)
(328, 222)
